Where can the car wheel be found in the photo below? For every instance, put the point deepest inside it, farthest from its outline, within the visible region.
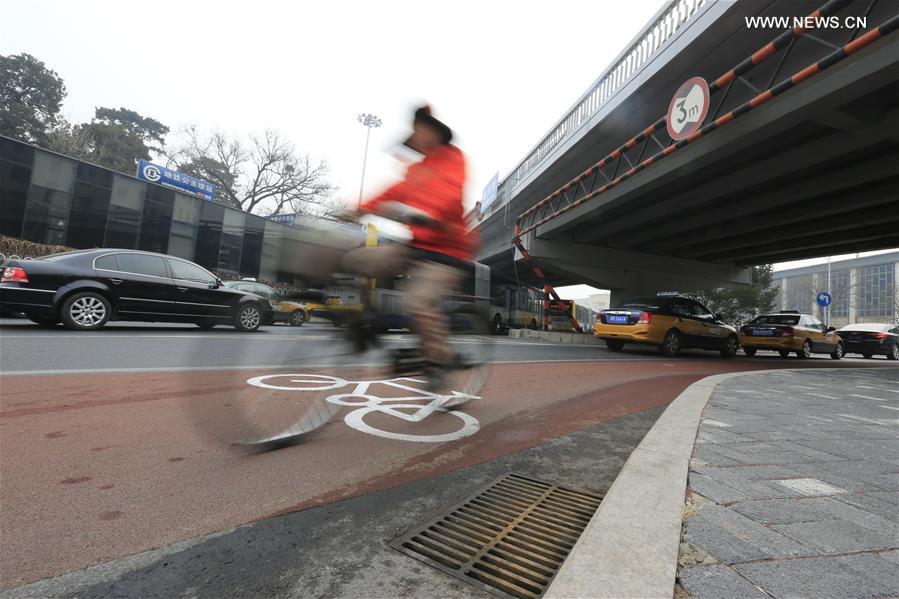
(614, 344)
(671, 344)
(47, 323)
(783, 353)
(894, 352)
(86, 311)
(296, 318)
(806, 351)
(205, 325)
(749, 351)
(730, 347)
(837, 352)
(533, 324)
(248, 318)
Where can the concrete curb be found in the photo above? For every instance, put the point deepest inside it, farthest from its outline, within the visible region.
(554, 336)
(630, 546)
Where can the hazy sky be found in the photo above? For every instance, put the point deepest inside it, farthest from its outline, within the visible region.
(500, 73)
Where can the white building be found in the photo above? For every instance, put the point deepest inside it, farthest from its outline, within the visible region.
(863, 289)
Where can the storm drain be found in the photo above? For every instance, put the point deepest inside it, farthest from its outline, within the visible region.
(510, 538)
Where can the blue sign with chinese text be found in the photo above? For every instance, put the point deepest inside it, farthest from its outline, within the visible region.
(824, 299)
(489, 193)
(154, 173)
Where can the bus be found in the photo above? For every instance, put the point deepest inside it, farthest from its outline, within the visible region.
(563, 314)
(514, 306)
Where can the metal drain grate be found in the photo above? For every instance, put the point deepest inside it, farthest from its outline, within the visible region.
(510, 538)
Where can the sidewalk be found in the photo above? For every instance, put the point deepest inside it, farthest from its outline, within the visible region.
(793, 489)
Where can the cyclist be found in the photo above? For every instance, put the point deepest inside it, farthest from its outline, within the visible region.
(440, 249)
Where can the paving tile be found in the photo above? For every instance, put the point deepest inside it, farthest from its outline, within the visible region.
(849, 577)
(818, 455)
(882, 503)
(887, 481)
(714, 582)
(813, 509)
(747, 472)
(730, 537)
(838, 536)
(780, 456)
(708, 454)
(829, 474)
(714, 489)
(719, 436)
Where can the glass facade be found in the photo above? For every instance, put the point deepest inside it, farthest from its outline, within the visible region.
(839, 290)
(876, 295)
(53, 199)
(864, 289)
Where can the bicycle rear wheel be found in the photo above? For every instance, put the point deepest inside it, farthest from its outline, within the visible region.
(473, 348)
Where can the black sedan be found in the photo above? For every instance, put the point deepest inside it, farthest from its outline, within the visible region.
(86, 289)
(871, 339)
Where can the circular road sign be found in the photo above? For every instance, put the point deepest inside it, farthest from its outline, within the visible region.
(824, 299)
(688, 108)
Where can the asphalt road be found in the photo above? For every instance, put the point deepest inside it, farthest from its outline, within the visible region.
(111, 445)
(25, 347)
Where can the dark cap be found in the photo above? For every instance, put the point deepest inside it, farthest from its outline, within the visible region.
(423, 115)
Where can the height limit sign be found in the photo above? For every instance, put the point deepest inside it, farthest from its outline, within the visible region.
(688, 108)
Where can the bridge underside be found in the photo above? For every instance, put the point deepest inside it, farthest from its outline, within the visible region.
(814, 172)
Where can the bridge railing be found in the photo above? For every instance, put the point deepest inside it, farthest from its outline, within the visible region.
(637, 154)
(670, 19)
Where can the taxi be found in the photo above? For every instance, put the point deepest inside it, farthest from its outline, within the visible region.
(293, 313)
(669, 321)
(790, 331)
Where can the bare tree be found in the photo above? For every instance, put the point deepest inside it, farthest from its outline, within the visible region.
(264, 175)
(70, 139)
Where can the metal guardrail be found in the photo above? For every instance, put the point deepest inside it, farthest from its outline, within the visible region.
(670, 19)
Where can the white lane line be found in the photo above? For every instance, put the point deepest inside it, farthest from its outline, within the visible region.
(717, 423)
(298, 338)
(872, 421)
(279, 367)
(890, 408)
(243, 337)
(867, 397)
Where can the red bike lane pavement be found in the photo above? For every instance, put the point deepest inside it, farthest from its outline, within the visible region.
(97, 466)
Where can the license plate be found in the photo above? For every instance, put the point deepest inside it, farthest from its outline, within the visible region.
(617, 318)
(762, 332)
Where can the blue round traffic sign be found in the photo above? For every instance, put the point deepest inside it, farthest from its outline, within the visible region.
(824, 299)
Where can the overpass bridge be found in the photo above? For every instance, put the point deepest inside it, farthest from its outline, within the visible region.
(797, 157)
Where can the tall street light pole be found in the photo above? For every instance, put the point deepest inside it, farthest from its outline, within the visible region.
(370, 121)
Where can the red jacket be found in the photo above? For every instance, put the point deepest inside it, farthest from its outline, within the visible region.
(435, 186)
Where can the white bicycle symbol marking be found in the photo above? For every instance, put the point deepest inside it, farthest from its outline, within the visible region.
(366, 403)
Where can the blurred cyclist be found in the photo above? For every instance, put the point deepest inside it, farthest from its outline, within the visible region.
(440, 249)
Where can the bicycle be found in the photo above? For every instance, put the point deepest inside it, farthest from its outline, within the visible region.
(366, 352)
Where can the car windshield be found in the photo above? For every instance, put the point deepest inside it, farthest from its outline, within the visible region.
(785, 319)
(870, 327)
(642, 303)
